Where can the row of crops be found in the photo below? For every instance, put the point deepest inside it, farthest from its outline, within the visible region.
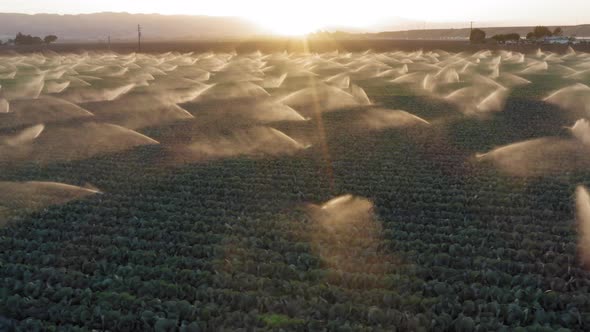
(339, 192)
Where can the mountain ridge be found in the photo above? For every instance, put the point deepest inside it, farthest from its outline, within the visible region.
(123, 26)
(98, 27)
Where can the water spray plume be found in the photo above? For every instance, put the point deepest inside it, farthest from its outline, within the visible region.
(77, 82)
(343, 230)
(538, 157)
(138, 111)
(8, 76)
(4, 106)
(25, 136)
(409, 78)
(535, 68)
(511, 80)
(381, 119)
(90, 94)
(360, 95)
(566, 71)
(24, 87)
(581, 131)
(42, 110)
(55, 87)
(580, 75)
(78, 142)
(257, 141)
(236, 90)
(572, 98)
(341, 81)
(31, 196)
(342, 212)
(494, 102)
(323, 98)
(271, 82)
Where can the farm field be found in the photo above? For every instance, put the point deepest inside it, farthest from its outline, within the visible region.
(365, 191)
(292, 45)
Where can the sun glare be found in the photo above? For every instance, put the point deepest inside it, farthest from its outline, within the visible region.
(289, 26)
(308, 16)
(292, 30)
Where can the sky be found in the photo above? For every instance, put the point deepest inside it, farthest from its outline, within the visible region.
(300, 16)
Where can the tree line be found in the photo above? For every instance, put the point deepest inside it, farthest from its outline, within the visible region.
(478, 36)
(539, 32)
(22, 39)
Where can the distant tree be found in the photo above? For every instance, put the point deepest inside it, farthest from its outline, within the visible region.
(477, 36)
(558, 32)
(513, 36)
(530, 35)
(498, 38)
(19, 39)
(542, 32)
(22, 39)
(49, 39)
(507, 37)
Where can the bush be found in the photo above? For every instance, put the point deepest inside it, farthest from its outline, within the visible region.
(507, 37)
(50, 39)
(542, 32)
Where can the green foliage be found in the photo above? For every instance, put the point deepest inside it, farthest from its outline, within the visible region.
(218, 245)
(276, 321)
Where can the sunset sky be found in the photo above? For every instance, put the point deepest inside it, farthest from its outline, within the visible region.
(308, 15)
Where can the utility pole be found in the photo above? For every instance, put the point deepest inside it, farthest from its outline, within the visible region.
(138, 38)
(109, 42)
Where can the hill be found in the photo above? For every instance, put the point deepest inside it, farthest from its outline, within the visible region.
(156, 27)
(123, 26)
